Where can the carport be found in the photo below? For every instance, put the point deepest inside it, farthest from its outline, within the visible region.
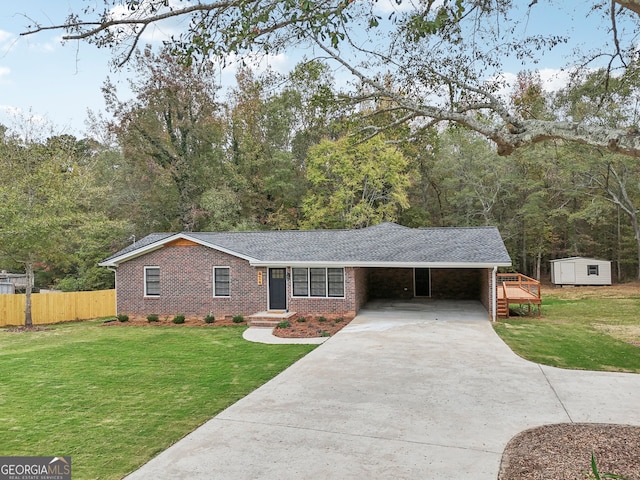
(397, 285)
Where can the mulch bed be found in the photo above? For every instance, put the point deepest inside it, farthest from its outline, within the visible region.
(563, 452)
(167, 321)
(310, 327)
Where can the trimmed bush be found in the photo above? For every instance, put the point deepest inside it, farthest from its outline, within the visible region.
(322, 319)
(301, 320)
(122, 317)
(178, 319)
(238, 319)
(284, 324)
(152, 317)
(209, 319)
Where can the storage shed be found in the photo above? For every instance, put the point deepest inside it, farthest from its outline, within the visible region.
(580, 271)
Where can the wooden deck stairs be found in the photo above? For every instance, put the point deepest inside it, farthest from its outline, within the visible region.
(516, 289)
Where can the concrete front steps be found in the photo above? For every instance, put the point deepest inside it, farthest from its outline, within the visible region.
(269, 318)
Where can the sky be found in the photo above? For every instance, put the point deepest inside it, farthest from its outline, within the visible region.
(55, 83)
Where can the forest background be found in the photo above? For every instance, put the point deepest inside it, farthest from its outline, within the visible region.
(295, 151)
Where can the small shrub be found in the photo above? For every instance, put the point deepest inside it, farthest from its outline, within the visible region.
(322, 319)
(122, 317)
(178, 319)
(284, 324)
(152, 317)
(324, 333)
(339, 320)
(209, 319)
(301, 320)
(238, 319)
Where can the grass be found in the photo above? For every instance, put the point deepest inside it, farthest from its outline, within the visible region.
(114, 397)
(581, 328)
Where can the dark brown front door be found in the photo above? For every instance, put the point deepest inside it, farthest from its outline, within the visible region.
(423, 282)
(277, 289)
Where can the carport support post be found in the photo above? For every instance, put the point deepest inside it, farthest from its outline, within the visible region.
(494, 294)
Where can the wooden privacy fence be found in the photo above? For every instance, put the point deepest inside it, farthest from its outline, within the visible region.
(57, 307)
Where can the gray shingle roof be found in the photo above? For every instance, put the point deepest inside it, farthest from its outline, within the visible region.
(386, 243)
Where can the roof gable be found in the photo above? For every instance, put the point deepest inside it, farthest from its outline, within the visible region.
(385, 244)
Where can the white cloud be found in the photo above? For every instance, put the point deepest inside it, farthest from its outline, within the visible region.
(4, 71)
(390, 6)
(7, 40)
(554, 79)
(259, 62)
(5, 36)
(158, 31)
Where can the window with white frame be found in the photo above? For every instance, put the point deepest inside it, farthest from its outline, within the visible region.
(592, 270)
(151, 281)
(318, 282)
(221, 281)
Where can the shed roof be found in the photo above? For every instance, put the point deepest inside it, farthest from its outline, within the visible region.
(387, 244)
(570, 259)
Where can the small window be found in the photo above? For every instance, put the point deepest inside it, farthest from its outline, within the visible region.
(151, 281)
(318, 281)
(300, 282)
(221, 282)
(335, 282)
(592, 270)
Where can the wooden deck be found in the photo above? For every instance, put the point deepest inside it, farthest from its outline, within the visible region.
(516, 289)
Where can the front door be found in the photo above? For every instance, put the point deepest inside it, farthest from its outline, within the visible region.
(422, 282)
(277, 289)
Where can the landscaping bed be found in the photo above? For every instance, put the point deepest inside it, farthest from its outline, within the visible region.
(310, 326)
(563, 452)
(168, 321)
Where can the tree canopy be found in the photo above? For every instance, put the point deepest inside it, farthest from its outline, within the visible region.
(445, 57)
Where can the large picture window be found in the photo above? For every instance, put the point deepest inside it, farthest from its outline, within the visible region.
(221, 281)
(151, 281)
(318, 282)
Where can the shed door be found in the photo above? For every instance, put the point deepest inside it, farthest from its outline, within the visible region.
(277, 289)
(567, 272)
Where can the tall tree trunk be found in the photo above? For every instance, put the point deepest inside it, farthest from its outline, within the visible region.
(538, 264)
(619, 254)
(27, 309)
(636, 232)
(523, 267)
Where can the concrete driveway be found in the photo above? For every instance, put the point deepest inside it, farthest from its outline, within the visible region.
(400, 393)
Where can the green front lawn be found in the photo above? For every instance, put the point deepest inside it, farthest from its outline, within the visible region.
(114, 397)
(589, 329)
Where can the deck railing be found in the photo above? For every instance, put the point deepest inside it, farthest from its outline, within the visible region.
(519, 280)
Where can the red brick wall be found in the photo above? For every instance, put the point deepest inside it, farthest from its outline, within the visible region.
(362, 292)
(486, 290)
(390, 282)
(347, 306)
(186, 283)
(456, 283)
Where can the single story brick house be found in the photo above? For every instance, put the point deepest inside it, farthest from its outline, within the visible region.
(319, 272)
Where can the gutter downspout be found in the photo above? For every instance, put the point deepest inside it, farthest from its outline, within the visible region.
(494, 295)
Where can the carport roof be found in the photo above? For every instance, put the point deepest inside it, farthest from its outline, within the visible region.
(384, 245)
